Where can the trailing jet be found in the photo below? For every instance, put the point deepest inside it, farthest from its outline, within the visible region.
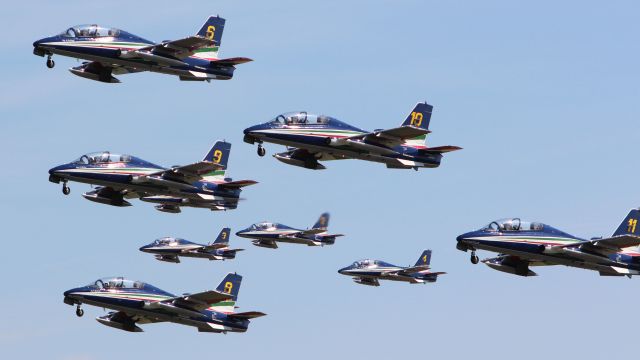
(112, 51)
(368, 272)
(136, 303)
(523, 244)
(267, 234)
(202, 184)
(170, 249)
(312, 138)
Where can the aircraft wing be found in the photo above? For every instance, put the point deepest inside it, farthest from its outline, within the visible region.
(182, 174)
(191, 303)
(172, 50)
(606, 246)
(413, 269)
(391, 137)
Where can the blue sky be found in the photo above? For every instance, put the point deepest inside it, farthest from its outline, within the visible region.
(542, 96)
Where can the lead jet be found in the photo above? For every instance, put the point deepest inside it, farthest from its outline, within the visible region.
(137, 303)
(112, 51)
(268, 234)
(119, 177)
(523, 244)
(170, 249)
(368, 272)
(313, 138)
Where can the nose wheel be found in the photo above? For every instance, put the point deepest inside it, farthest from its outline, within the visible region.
(261, 150)
(79, 311)
(50, 62)
(65, 189)
(474, 258)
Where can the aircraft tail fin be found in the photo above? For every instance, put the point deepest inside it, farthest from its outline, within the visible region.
(223, 237)
(219, 154)
(230, 285)
(424, 259)
(212, 30)
(419, 117)
(322, 223)
(629, 225)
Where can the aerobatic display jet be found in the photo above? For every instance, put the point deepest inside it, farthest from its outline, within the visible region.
(170, 249)
(522, 244)
(137, 303)
(368, 271)
(312, 138)
(268, 234)
(112, 51)
(119, 177)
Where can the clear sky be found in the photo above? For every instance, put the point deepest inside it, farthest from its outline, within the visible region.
(543, 97)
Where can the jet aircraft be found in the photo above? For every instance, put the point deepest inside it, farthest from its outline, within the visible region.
(523, 244)
(112, 51)
(202, 184)
(268, 234)
(312, 138)
(170, 249)
(368, 272)
(136, 303)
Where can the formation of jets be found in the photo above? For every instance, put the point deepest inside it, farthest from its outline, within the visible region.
(310, 139)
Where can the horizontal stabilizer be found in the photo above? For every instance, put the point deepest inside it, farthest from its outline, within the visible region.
(246, 315)
(415, 269)
(441, 149)
(330, 235)
(237, 184)
(231, 61)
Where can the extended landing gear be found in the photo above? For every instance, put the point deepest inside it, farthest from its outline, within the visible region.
(261, 150)
(474, 258)
(50, 62)
(65, 189)
(79, 311)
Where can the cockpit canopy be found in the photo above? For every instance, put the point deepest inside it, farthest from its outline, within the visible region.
(118, 283)
(166, 241)
(301, 118)
(268, 226)
(103, 158)
(91, 31)
(368, 263)
(514, 224)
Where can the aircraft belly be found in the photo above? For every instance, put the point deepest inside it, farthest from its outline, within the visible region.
(109, 57)
(318, 144)
(134, 307)
(550, 259)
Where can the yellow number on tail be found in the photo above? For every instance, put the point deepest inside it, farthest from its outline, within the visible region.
(228, 286)
(217, 156)
(224, 235)
(424, 259)
(211, 30)
(632, 225)
(416, 118)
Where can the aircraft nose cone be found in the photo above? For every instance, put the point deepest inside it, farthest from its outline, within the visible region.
(248, 130)
(342, 271)
(144, 248)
